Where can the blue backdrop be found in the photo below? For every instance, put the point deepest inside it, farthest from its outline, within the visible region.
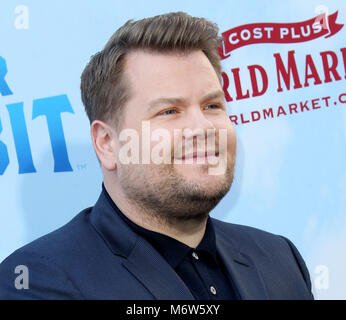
(290, 175)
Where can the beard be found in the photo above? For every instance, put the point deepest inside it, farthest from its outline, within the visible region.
(168, 197)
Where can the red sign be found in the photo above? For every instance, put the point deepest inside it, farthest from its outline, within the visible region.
(314, 28)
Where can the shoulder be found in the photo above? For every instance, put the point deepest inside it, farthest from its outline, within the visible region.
(253, 240)
(245, 234)
(68, 237)
(270, 252)
(48, 261)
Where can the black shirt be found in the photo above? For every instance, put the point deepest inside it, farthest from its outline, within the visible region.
(201, 268)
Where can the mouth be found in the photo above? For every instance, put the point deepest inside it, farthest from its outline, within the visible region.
(201, 157)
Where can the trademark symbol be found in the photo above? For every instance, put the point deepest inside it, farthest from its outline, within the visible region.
(81, 166)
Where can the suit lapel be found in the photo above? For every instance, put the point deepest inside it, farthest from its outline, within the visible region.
(142, 260)
(152, 270)
(241, 270)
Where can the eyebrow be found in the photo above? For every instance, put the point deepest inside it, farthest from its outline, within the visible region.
(175, 100)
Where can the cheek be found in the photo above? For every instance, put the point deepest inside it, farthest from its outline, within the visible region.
(162, 145)
(232, 138)
(231, 141)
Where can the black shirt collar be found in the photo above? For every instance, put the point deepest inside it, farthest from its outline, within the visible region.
(171, 249)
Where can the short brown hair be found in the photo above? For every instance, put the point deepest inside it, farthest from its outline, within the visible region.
(103, 87)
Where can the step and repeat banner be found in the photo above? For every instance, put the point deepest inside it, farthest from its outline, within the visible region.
(284, 77)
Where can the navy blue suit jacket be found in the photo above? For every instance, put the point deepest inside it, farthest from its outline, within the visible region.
(97, 256)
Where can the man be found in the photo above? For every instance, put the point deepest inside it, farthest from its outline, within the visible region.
(150, 236)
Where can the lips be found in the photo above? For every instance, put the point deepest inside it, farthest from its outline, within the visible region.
(196, 155)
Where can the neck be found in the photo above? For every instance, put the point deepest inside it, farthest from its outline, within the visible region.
(189, 232)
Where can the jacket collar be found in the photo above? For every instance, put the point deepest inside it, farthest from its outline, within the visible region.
(153, 271)
(240, 267)
(141, 259)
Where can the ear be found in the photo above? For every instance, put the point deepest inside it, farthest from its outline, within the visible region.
(104, 142)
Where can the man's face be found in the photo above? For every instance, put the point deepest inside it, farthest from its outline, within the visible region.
(173, 93)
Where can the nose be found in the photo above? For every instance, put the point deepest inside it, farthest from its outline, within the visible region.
(196, 123)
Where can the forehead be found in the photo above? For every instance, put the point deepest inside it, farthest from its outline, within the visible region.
(152, 73)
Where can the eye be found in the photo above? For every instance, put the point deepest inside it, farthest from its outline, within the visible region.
(167, 112)
(213, 106)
